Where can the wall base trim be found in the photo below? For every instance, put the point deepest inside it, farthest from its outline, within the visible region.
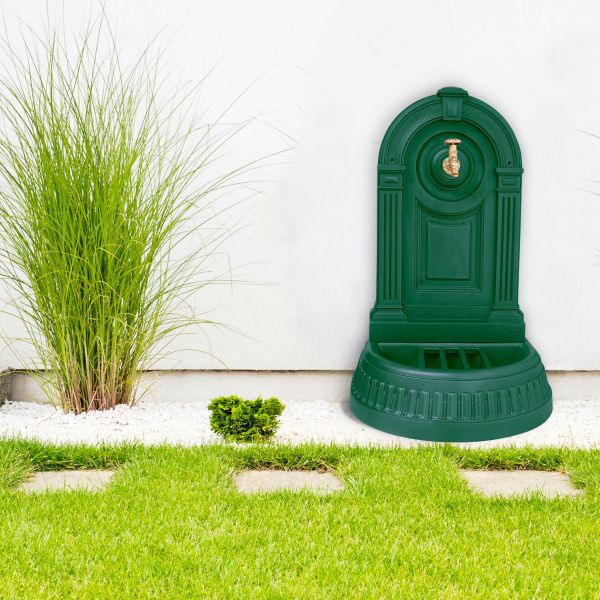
(190, 385)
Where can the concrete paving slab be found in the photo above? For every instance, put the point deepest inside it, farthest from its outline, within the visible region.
(250, 482)
(93, 480)
(516, 483)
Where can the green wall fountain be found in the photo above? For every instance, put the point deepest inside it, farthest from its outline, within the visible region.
(447, 358)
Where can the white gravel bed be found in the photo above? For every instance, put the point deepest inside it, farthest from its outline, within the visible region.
(574, 423)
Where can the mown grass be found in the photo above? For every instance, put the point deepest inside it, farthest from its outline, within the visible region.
(171, 525)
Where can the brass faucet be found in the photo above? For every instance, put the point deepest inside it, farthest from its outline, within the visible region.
(451, 164)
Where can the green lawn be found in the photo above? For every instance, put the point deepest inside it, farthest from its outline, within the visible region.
(170, 525)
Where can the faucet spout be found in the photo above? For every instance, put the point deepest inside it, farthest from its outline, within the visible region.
(451, 165)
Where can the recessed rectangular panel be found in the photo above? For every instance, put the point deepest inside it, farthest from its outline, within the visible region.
(449, 254)
(448, 251)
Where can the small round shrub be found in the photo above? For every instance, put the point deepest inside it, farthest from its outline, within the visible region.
(239, 420)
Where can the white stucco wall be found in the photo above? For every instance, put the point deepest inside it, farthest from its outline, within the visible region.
(334, 74)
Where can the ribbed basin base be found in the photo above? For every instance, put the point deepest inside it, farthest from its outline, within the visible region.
(451, 405)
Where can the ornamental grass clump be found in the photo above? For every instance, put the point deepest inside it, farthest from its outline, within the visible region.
(101, 179)
(239, 420)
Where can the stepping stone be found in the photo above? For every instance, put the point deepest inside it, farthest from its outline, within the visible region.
(250, 482)
(43, 481)
(517, 483)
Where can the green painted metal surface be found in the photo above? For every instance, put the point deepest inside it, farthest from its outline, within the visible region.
(447, 358)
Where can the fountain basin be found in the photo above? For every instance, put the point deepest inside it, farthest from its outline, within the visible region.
(451, 392)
